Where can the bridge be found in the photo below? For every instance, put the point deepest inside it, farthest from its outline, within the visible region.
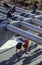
(21, 22)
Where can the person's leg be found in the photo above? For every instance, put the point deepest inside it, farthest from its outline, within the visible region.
(26, 46)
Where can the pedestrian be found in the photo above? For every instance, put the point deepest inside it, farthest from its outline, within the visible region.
(12, 10)
(35, 6)
(26, 45)
(9, 15)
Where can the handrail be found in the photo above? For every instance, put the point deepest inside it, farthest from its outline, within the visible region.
(36, 21)
(25, 34)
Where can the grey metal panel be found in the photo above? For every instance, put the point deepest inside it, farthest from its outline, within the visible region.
(31, 27)
(25, 34)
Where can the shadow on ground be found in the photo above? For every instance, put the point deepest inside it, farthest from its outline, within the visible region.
(33, 57)
(39, 63)
(27, 60)
(14, 59)
(4, 37)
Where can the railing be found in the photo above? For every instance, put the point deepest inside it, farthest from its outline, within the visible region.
(25, 34)
(26, 23)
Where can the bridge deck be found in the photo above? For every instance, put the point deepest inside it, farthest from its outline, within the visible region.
(9, 56)
(7, 47)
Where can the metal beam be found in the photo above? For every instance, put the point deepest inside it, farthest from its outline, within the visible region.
(19, 16)
(15, 23)
(21, 10)
(24, 34)
(27, 20)
(3, 16)
(38, 16)
(36, 21)
(2, 9)
(31, 27)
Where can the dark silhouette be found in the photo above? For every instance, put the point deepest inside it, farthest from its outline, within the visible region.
(6, 5)
(27, 60)
(12, 10)
(9, 14)
(14, 59)
(35, 7)
(39, 63)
